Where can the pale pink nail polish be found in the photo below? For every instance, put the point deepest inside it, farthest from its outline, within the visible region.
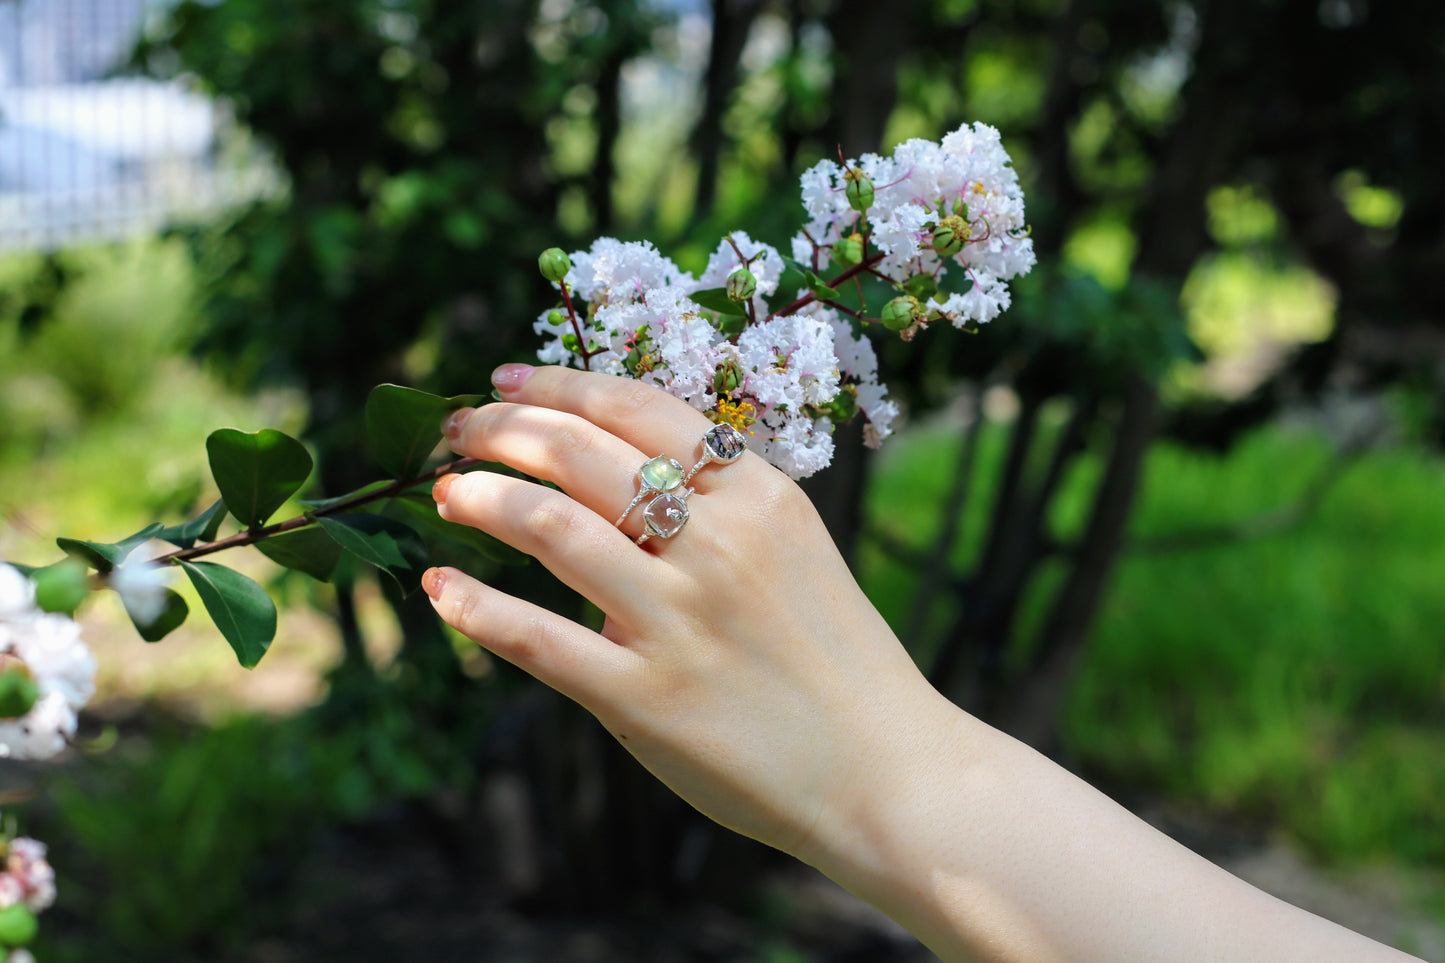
(452, 426)
(509, 377)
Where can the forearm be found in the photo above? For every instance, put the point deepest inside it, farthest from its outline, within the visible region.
(988, 851)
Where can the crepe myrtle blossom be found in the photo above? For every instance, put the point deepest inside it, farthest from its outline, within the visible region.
(25, 876)
(47, 651)
(940, 221)
(938, 207)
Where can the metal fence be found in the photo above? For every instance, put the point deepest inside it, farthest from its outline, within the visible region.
(86, 155)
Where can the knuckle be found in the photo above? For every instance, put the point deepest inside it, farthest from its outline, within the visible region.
(574, 439)
(550, 518)
(634, 397)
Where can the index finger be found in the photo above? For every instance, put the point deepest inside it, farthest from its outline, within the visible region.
(649, 418)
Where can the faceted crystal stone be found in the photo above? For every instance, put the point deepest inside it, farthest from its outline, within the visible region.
(665, 515)
(662, 474)
(724, 443)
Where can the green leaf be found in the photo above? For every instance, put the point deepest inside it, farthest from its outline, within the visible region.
(308, 550)
(170, 618)
(818, 288)
(102, 556)
(403, 425)
(25, 570)
(256, 471)
(716, 299)
(240, 608)
(420, 511)
(202, 528)
(391, 546)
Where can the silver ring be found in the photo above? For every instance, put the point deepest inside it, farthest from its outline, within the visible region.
(657, 476)
(665, 515)
(722, 444)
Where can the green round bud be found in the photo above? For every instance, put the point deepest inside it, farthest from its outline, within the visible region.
(859, 189)
(921, 286)
(950, 235)
(18, 690)
(848, 251)
(741, 284)
(554, 264)
(61, 587)
(18, 925)
(900, 313)
(555, 316)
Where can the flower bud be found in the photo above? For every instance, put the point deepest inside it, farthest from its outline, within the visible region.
(848, 251)
(726, 378)
(18, 689)
(555, 316)
(61, 587)
(741, 284)
(554, 264)
(921, 286)
(901, 312)
(950, 235)
(859, 189)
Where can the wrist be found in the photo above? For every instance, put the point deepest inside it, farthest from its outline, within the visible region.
(885, 832)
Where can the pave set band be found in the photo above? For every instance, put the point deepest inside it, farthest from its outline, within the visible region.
(663, 481)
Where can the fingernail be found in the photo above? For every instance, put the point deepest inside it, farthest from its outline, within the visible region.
(509, 377)
(433, 582)
(440, 488)
(452, 426)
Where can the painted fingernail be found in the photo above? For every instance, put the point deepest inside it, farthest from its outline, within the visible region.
(452, 426)
(509, 377)
(434, 581)
(440, 488)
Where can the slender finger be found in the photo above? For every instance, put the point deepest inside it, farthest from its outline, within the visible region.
(645, 416)
(576, 544)
(575, 661)
(592, 465)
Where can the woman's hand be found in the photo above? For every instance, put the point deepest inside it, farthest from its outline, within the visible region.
(739, 660)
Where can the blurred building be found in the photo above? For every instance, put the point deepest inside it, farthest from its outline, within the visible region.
(87, 155)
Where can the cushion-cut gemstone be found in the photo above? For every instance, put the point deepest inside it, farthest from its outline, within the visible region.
(662, 474)
(665, 515)
(724, 443)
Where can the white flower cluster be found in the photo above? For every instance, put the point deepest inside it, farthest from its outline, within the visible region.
(965, 185)
(785, 379)
(25, 876)
(775, 380)
(50, 649)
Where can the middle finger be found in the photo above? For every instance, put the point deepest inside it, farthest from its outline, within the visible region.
(595, 467)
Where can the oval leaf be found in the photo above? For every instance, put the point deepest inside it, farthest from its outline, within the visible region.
(201, 528)
(388, 544)
(716, 299)
(404, 425)
(240, 608)
(308, 550)
(103, 556)
(168, 621)
(256, 471)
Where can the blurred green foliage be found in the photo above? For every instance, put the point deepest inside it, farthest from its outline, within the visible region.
(1293, 678)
